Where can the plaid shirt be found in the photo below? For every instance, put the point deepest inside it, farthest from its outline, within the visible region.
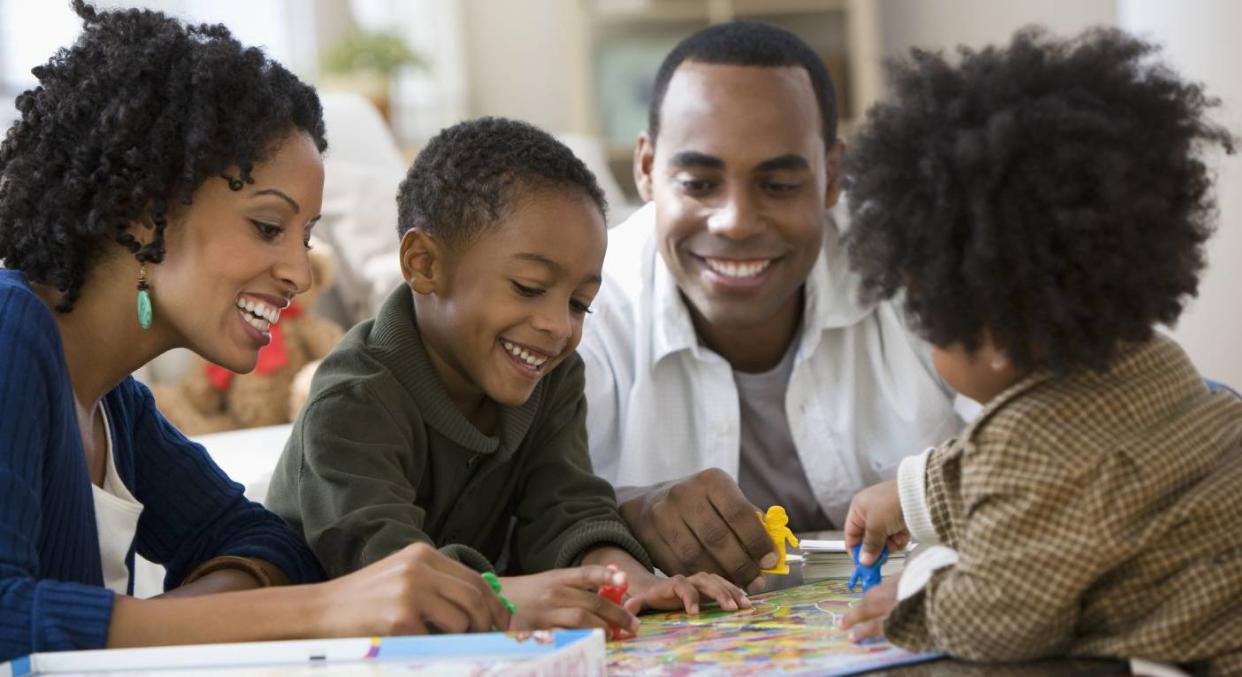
(1095, 514)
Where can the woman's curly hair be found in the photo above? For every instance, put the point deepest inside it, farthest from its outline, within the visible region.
(131, 119)
(1050, 192)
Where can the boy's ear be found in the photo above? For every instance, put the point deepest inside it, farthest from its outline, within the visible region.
(423, 260)
(644, 159)
(833, 166)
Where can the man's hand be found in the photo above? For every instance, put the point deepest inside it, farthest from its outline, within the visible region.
(702, 523)
(875, 520)
(867, 619)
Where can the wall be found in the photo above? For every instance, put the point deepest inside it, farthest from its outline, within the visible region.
(1201, 43)
(948, 23)
(523, 60)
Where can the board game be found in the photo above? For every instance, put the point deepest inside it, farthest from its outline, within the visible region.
(791, 631)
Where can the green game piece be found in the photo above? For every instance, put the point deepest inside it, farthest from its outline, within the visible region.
(494, 583)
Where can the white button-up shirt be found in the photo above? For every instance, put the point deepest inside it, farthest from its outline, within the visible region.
(862, 395)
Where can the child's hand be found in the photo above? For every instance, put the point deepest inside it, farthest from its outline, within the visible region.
(413, 591)
(875, 520)
(566, 598)
(867, 619)
(683, 592)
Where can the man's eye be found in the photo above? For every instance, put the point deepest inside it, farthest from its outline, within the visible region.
(696, 185)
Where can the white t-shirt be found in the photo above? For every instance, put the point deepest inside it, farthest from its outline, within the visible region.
(861, 396)
(116, 520)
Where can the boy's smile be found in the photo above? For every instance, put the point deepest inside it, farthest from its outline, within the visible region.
(500, 311)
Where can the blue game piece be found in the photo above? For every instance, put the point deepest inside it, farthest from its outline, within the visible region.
(867, 575)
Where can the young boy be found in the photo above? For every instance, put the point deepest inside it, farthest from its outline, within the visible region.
(1044, 206)
(456, 416)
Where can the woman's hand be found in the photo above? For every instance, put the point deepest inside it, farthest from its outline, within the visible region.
(411, 592)
(567, 598)
(867, 619)
(875, 520)
(684, 592)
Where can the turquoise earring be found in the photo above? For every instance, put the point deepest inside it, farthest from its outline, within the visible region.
(144, 298)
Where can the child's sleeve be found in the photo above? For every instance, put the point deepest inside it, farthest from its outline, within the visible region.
(35, 614)
(1024, 557)
(349, 485)
(192, 511)
(564, 509)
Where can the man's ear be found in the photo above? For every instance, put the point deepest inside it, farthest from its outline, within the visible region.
(833, 165)
(644, 159)
(423, 259)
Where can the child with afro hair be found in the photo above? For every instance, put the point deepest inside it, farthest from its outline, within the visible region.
(1042, 207)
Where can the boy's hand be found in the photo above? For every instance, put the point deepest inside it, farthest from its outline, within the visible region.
(875, 520)
(566, 598)
(684, 592)
(867, 619)
(413, 591)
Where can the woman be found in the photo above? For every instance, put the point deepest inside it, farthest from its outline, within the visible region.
(159, 191)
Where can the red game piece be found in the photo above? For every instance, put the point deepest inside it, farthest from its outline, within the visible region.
(614, 594)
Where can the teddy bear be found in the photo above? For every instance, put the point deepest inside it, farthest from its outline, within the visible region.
(209, 398)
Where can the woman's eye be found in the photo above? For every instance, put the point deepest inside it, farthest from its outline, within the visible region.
(267, 231)
(526, 291)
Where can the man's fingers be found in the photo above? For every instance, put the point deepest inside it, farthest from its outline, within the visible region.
(741, 516)
(687, 551)
(719, 541)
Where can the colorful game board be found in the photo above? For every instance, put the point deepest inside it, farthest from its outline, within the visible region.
(790, 631)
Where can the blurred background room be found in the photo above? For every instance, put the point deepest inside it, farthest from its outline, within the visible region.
(393, 72)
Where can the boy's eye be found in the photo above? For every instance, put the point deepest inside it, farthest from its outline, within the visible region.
(526, 291)
(267, 231)
(579, 307)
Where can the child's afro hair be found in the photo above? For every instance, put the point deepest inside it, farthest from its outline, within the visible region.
(1050, 192)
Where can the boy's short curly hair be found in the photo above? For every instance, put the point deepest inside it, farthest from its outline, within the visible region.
(470, 175)
(131, 119)
(1050, 192)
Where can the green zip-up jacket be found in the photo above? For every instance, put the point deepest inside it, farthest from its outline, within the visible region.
(380, 458)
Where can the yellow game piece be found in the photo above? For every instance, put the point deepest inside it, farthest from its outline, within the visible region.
(776, 522)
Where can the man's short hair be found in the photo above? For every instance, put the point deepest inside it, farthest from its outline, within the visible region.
(748, 43)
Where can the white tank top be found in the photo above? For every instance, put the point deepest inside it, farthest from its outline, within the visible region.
(116, 520)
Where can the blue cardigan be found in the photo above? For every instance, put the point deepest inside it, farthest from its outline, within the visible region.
(51, 581)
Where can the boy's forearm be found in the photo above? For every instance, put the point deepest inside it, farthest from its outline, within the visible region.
(603, 555)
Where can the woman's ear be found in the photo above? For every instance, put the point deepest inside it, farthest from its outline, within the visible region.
(423, 259)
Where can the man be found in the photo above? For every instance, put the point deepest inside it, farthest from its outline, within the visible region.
(730, 363)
